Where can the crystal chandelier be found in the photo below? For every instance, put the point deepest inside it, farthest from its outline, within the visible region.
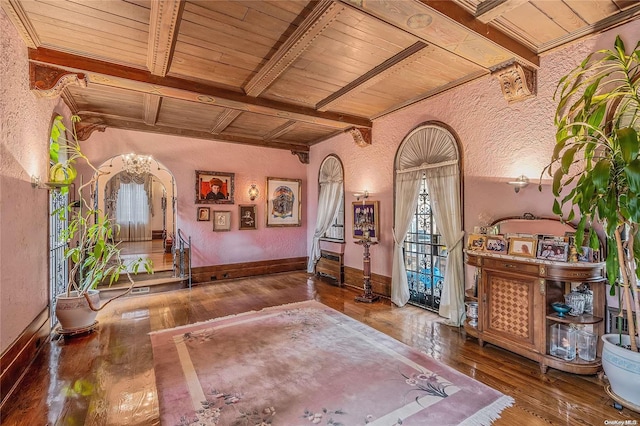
(136, 164)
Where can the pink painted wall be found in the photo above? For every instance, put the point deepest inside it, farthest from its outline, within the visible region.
(183, 156)
(499, 142)
(24, 151)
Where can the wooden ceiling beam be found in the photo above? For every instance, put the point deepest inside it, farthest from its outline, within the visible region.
(389, 67)
(163, 32)
(128, 78)
(101, 121)
(489, 10)
(280, 130)
(225, 119)
(318, 20)
(151, 108)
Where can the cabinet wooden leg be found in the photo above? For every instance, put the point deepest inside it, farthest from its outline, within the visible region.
(544, 368)
(480, 342)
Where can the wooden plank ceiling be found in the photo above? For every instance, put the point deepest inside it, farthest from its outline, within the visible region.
(283, 73)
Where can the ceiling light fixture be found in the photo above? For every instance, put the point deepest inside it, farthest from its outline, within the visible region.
(136, 164)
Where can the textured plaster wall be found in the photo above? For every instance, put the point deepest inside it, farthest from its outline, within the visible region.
(499, 142)
(24, 129)
(183, 156)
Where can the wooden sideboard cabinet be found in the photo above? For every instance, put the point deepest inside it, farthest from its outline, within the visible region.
(514, 298)
(331, 265)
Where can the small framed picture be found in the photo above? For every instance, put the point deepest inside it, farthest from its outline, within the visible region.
(585, 254)
(496, 244)
(523, 246)
(221, 220)
(248, 216)
(203, 214)
(365, 219)
(477, 242)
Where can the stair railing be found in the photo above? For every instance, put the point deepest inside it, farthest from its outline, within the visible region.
(182, 257)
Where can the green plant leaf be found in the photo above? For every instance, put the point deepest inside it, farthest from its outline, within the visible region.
(632, 173)
(628, 140)
(567, 158)
(601, 174)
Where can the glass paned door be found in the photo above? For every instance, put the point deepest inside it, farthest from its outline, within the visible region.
(58, 270)
(425, 255)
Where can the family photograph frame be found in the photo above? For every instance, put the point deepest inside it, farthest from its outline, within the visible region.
(221, 220)
(214, 187)
(365, 219)
(247, 216)
(284, 206)
(496, 244)
(557, 251)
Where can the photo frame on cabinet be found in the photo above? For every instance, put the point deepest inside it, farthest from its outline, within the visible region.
(214, 187)
(496, 244)
(221, 220)
(247, 216)
(476, 242)
(284, 202)
(365, 219)
(553, 250)
(204, 214)
(525, 247)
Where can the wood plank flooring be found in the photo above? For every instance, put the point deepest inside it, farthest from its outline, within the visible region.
(107, 378)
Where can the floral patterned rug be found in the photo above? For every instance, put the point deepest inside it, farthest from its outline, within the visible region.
(307, 364)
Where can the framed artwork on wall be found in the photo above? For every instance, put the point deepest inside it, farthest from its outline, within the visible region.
(248, 216)
(284, 202)
(203, 214)
(365, 219)
(221, 220)
(214, 187)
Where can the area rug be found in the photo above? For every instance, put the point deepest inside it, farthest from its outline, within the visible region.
(307, 364)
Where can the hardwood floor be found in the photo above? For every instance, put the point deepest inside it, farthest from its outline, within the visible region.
(107, 378)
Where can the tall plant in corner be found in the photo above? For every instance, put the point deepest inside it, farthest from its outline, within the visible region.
(95, 256)
(596, 160)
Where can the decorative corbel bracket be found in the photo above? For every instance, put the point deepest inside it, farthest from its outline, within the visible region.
(517, 81)
(49, 82)
(84, 128)
(303, 156)
(361, 136)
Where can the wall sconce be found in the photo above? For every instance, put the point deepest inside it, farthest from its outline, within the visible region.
(253, 192)
(520, 182)
(35, 181)
(364, 195)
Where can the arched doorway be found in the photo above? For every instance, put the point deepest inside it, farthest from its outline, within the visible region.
(139, 194)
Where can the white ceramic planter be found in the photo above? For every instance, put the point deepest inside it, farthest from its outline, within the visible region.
(73, 312)
(622, 368)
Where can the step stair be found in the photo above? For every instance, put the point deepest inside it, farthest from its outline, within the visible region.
(158, 282)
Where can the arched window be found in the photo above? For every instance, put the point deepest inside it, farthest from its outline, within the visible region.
(330, 219)
(428, 170)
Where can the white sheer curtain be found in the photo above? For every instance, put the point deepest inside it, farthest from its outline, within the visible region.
(444, 189)
(407, 189)
(430, 149)
(132, 212)
(329, 199)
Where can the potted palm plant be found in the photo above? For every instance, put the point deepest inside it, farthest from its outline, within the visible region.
(596, 161)
(94, 255)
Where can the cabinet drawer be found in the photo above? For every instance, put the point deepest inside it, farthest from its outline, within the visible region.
(509, 265)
